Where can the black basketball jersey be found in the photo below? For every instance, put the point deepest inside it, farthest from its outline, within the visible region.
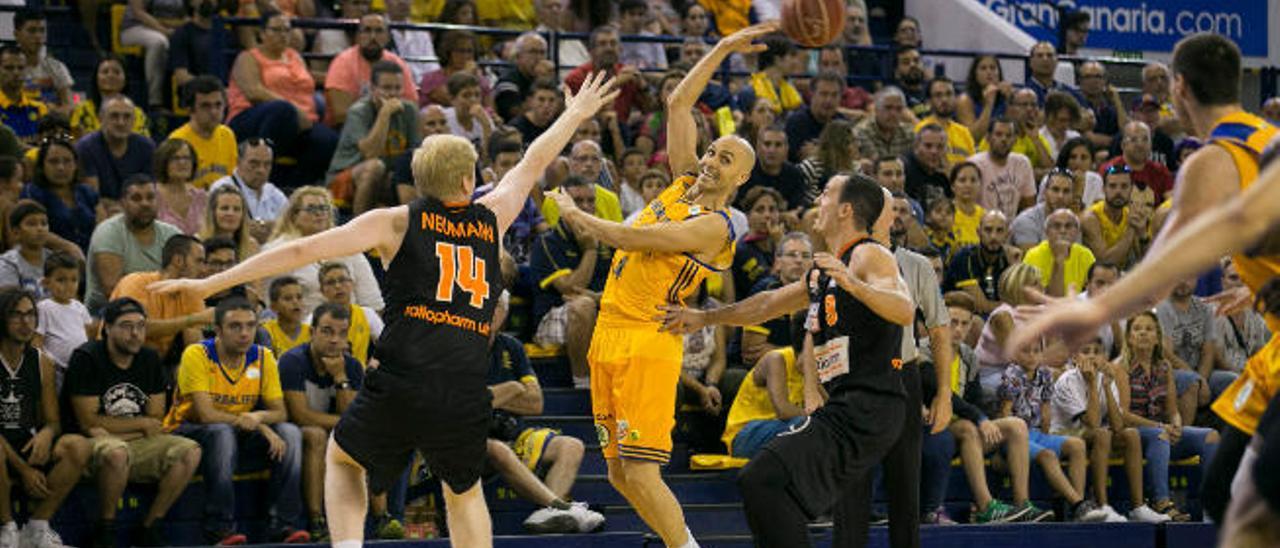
(20, 395)
(441, 289)
(853, 347)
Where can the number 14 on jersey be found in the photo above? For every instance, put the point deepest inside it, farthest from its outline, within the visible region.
(459, 266)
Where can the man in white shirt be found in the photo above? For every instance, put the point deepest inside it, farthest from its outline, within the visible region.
(411, 44)
(263, 200)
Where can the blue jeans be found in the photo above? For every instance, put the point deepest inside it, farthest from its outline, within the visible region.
(278, 121)
(935, 468)
(1219, 380)
(757, 434)
(1159, 452)
(226, 451)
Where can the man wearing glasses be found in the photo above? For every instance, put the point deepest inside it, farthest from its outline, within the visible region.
(264, 201)
(349, 73)
(516, 83)
(1135, 147)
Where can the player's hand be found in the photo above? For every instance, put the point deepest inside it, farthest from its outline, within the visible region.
(564, 202)
(991, 434)
(39, 447)
(939, 414)
(597, 91)
(34, 481)
(275, 444)
(680, 320)
(741, 41)
(247, 422)
(837, 270)
(813, 399)
(1231, 301)
(1070, 319)
(194, 289)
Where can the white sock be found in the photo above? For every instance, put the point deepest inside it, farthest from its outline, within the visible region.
(38, 524)
(691, 543)
(347, 544)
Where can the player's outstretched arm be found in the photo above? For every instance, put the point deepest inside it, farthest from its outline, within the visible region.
(702, 234)
(753, 310)
(509, 195)
(1231, 228)
(380, 229)
(682, 135)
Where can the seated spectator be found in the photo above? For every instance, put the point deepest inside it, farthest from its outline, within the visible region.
(774, 171)
(768, 402)
(129, 242)
(1027, 229)
(466, 114)
(855, 102)
(754, 253)
(116, 388)
(886, 133)
(772, 81)
(1086, 404)
(541, 108)
(976, 269)
(379, 127)
(458, 56)
(351, 71)
(64, 323)
(214, 143)
(334, 40)
(225, 217)
(109, 82)
(17, 112)
(805, 123)
(288, 329)
(309, 212)
(263, 200)
(966, 186)
(906, 231)
(178, 202)
(365, 323)
(1114, 231)
(45, 79)
(1063, 263)
(1240, 334)
(70, 204)
(539, 463)
(272, 95)
(586, 161)
(605, 45)
(115, 151)
(793, 258)
(1191, 337)
(571, 270)
(1043, 64)
(412, 44)
(1008, 179)
(909, 76)
(515, 84)
(53, 463)
(633, 165)
(191, 43)
(229, 401)
(653, 182)
(23, 264)
(551, 17)
(1023, 114)
(220, 254)
(1026, 392)
(529, 224)
(1076, 156)
(1271, 110)
(1157, 88)
(1146, 381)
(758, 116)
(942, 106)
(939, 226)
(985, 98)
(1061, 113)
(926, 163)
(11, 184)
(171, 318)
(150, 24)
(1104, 100)
(1136, 155)
(890, 172)
(837, 151)
(633, 16)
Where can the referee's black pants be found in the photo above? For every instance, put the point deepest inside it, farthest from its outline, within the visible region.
(901, 480)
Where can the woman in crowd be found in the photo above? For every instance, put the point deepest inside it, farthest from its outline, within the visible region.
(1148, 398)
(986, 94)
(225, 218)
(762, 114)
(838, 152)
(310, 211)
(109, 80)
(71, 205)
(966, 186)
(1076, 156)
(753, 257)
(178, 202)
(150, 23)
(272, 95)
(1012, 288)
(457, 51)
(696, 21)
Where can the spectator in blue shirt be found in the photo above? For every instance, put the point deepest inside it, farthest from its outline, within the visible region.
(114, 152)
(71, 205)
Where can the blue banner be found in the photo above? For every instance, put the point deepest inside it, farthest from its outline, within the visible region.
(1151, 25)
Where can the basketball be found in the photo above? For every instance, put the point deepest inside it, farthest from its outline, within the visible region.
(813, 23)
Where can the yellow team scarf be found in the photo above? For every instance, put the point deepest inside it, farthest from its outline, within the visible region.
(764, 89)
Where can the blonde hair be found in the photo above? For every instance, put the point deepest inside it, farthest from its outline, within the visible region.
(245, 244)
(286, 228)
(1014, 279)
(440, 164)
(1157, 351)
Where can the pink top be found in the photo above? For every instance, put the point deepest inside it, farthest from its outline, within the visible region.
(989, 352)
(350, 72)
(287, 77)
(188, 222)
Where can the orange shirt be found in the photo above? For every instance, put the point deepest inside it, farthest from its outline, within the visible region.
(159, 307)
(287, 77)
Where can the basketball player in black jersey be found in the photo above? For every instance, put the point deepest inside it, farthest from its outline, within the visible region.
(442, 283)
(858, 304)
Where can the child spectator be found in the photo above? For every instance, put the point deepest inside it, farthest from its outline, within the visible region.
(1025, 392)
(64, 322)
(23, 265)
(366, 325)
(286, 329)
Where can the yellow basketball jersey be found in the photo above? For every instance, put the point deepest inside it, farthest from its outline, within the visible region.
(965, 227)
(754, 404)
(1111, 231)
(641, 281)
(281, 342)
(234, 390)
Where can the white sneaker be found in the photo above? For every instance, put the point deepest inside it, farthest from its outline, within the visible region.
(1112, 515)
(550, 520)
(1145, 514)
(9, 535)
(588, 520)
(44, 537)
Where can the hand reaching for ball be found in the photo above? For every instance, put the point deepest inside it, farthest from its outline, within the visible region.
(742, 41)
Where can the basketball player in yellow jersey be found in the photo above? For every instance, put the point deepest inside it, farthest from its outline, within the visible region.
(1215, 192)
(676, 241)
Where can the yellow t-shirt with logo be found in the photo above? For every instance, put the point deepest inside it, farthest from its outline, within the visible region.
(960, 144)
(754, 404)
(235, 389)
(281, 342)
(216, 156)
(964, 226)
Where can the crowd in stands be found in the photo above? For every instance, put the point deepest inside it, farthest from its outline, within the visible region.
(999, 185)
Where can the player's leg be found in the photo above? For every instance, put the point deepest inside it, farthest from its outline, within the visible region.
(902, 468)
(468, 517)
(775, 517)
(346, 497)
(666, 517)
